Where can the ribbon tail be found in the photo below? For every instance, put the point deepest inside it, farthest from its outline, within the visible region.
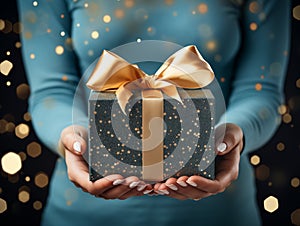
(172, 91)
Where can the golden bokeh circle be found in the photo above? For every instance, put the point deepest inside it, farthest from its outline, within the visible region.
(11, 163)
(41, 180)
(295, 217)
(22, 130)
(34, 149)
(262, 172)
(59, 50)
(23, 91)
(280, 146)
(3, 205)
(271, 204)
(37, 205)
(295, 182)
(296, 12)
(255, 160)
(23, 196)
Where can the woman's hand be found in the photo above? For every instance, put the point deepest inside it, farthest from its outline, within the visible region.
(73, 142)
(227, 168)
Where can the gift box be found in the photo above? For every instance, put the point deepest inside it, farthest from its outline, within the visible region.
(115, 139)
(152, 127)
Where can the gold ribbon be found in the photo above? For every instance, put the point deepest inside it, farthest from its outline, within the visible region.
(186, 69)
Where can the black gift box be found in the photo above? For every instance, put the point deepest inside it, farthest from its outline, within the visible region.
(115, 138)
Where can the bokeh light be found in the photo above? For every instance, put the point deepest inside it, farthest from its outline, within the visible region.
(295, 217)
(255, 160)
(34, 149)
(22, 130)
(11, 163)
(296, 12)
(295, 182)
(37, 205)
(271, 204)
(5, 67)
(41, 180)
(3, 205)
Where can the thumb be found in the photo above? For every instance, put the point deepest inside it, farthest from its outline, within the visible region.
(73, 139)
(233, 137)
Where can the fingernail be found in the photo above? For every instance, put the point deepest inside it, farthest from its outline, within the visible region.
(159, 192)
(197, 199)
(165, 192)
(181, 183)
(192, 183)
(222, 147)
(118, 181)
(147, 191)
(77, 146)
(141, 187)
(172, 186)
(134, 184)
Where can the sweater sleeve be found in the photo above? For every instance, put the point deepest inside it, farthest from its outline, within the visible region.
(50, 65)
(257, 88)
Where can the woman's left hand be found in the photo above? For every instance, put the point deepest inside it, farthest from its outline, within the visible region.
(227, 168)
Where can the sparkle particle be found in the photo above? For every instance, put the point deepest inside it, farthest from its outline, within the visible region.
(35, 3)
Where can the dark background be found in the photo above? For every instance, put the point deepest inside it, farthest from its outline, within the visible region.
(277, 172)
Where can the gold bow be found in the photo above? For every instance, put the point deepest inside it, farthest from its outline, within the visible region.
(186, 69)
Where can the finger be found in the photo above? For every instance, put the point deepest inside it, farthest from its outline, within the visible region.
(121, 188)
(139, 191)
(172, 189)
(78, 173)
(73, 139)
(233, 137)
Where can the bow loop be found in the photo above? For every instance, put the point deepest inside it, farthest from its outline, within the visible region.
(186, 69)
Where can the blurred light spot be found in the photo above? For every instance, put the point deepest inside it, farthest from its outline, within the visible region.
(169, 2)
(296, 12)
(175, 13)
(28, 35)
(18, 45)
(8, 83)
(202, 8)
(34, 149)
(258, 86)
(129, 3)
(107, 29)
(27, 178)
(23, 91)
(24, 196)
(35, 3)
(27, 116)
(106, 19)
(2, 24)
(295, 217)
(294, 103)
(280, 146)
(218, 58)
(22, 130)
(62, 16)
(59, 50)
(17, 28)
(253, 26)
(10, 127)
(254, 7)
(255, 160)
(69, 44)
(71, 194)
(151, 31)
(32, 56)
(13, 178)
(3, 205)
(287, 118)
(298, 83)
(95, 34)
(64, 78)
(62, 33)
(22, 155)
(262, 16)
(205, 30)
(262, 172)
(78, 25)
(8, 53)
(86, 5)
(37, 205)
(5, 67)
(1, 190)
(222, 79)
(69, 203)
(295, 182)
(282, 109)
(90, 52)
(11, 163)
(41, 180)
(139, 40)
(3, 123)
(7, 27)
(119, 13)
(271, 204)
(211, 45)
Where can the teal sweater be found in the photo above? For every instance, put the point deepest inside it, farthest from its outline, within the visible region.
(245, 42)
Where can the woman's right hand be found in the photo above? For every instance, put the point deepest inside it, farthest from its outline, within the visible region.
(111, 187)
